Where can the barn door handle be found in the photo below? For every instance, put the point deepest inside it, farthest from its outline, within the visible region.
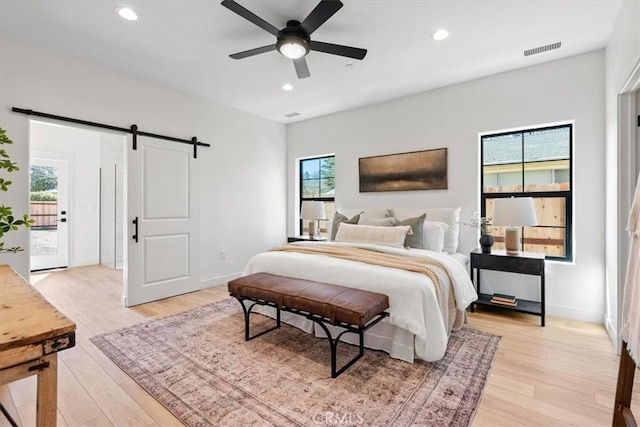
(135, 235)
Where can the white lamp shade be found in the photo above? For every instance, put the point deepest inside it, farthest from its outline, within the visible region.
(313, 210)
(514, 211)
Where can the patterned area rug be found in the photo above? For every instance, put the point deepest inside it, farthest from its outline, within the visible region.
(198, 366)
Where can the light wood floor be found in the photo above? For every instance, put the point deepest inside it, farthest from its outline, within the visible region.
(563, 374)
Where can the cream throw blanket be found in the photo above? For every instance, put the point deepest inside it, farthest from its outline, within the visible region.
(451, 317)
(630, 331)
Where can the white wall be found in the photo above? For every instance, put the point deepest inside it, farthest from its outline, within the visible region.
(622, 56)
(112, 152)
(566, 90)
(83, 146)
(244, 168)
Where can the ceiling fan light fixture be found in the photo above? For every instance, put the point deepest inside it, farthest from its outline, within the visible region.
(292, 47)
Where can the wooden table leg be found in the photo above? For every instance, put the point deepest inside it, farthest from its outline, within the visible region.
(47, 401)
(622, 415)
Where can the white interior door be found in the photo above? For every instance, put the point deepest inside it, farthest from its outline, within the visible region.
(50, 233)
(163, 197)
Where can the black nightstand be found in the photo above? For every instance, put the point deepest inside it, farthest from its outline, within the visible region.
(523, 263)
(305, 239)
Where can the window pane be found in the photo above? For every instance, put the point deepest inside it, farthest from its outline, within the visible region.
(310, 168)
(548, 240)
(550, 211)
(327, 187)
(547, 176)
(548, 237)
(503, 179)
(327, 166)
(310, 188)
(547, 144)
(502, 149)
(502, 163)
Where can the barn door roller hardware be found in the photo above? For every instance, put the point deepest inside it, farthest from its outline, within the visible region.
(133, 130)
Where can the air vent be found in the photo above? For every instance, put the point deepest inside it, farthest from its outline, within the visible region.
(295, 113)
(541, 49)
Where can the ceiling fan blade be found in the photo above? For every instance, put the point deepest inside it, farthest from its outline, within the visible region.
(336, 49)
(252, 52)
(318, 16)
(250, 16)
(302, 69)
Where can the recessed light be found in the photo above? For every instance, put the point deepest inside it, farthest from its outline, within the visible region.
(127, 13)
(440, 35)
(287, 87)
(348, 65)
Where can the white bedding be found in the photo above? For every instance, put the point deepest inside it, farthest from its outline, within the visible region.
(414, 325)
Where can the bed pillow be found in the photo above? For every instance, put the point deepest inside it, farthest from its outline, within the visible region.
(416, 238)
(434, 232)
(387, 236)
(338, 219)
(378, 222)
(450, 216)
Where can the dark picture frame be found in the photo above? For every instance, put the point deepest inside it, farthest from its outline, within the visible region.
(416, 170)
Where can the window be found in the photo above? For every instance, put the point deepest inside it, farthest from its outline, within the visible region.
(532, 163)
(317, 182)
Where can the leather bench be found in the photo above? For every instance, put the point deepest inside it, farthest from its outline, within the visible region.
(355, 310)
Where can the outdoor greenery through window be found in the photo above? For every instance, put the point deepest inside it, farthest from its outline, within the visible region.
(317, 182)
(44, 197)
(533, 163)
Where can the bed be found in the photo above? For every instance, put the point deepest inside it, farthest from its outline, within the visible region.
(424, 308)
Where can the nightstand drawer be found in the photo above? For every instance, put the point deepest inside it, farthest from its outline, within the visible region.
(510, 264)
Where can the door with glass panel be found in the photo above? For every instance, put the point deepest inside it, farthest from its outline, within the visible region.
(49, 208)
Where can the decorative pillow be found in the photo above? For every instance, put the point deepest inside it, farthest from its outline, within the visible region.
(416, 237)
(387, 236)
(338, 219)
(434, 232)
(378, 222)
(450, 216)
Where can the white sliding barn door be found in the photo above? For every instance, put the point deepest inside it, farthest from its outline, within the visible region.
(163, 195)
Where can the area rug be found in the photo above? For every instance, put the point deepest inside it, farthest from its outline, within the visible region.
(199, 367)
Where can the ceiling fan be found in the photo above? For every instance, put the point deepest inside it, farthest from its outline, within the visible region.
(294, 40)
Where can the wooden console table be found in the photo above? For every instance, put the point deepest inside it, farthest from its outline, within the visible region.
(32, 332)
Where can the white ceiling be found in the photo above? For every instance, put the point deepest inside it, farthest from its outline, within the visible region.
(185, 45)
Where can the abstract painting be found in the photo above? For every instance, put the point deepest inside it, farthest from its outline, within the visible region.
(418, 170)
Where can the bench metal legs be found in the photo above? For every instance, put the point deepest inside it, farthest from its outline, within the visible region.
(247, 313)
(333, 342)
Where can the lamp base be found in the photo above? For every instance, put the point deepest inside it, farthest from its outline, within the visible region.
(512, 240)
(312, 229)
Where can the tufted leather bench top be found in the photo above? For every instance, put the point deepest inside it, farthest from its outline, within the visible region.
(334, 302)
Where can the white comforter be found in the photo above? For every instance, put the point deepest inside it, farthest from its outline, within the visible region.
(412, 299)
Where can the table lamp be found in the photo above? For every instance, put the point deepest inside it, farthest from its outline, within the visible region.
(514, 212)
(313, 211)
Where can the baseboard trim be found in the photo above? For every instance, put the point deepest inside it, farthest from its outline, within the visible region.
(220, 280)
(612, 331)
(574, 313)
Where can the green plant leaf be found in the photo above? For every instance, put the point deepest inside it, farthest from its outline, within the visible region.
(7, 220)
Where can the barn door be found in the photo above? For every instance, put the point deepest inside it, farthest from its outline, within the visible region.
(164, 221)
